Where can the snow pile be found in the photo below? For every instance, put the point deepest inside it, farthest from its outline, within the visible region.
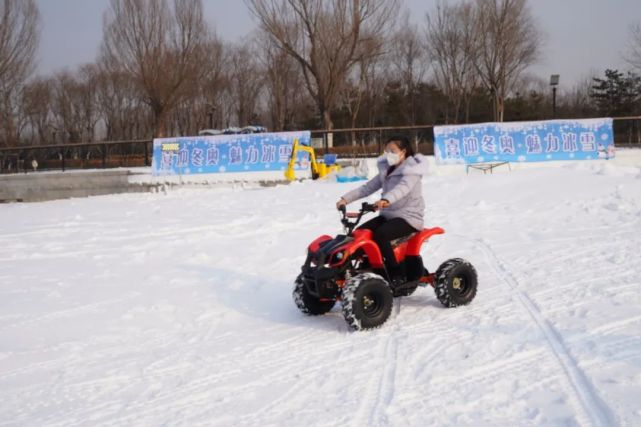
(176, 309)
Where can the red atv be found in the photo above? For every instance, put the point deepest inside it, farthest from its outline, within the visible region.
(350, 268)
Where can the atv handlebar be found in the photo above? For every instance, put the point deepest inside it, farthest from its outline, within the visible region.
(350, 226)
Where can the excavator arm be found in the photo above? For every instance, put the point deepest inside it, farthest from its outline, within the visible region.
(289, 173)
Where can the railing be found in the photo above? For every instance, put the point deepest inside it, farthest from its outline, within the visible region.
(87, 155)
(357, 142)
(366, 142)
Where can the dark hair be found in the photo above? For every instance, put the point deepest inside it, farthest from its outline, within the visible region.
(403, 143)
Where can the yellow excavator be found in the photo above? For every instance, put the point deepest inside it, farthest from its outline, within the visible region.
(320, 169)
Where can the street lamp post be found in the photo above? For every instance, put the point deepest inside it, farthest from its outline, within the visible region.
(554, 82)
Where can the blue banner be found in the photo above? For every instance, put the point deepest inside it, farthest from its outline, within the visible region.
(525, 141)
(228, 153)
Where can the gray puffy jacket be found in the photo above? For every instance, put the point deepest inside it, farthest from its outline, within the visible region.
(402, 188)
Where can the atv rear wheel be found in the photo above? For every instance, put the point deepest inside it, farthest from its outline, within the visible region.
(367, 301)
(456, 283)
(308, 303)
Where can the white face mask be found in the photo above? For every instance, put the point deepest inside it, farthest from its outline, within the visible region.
(392, 158)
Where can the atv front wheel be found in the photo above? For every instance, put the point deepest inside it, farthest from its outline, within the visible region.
(367, 301)
(456, 283)
(308, 303)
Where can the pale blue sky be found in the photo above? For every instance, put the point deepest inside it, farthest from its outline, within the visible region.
(582, 36)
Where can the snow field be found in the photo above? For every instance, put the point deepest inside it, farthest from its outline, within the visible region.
(176, 309)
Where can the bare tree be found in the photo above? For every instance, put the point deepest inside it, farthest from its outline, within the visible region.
(408, 66)
(354, 90)
(66, 90)
(283, 80)
(375, 80)
(209, 102)
(633, 55)
(326, 39)
(215, 85)
(161, 47)
(86, 101)
(122, 112)
(19, 35)
(75, 104)
(246, 82)
(36, 103)
(508, 42)
(450, 42)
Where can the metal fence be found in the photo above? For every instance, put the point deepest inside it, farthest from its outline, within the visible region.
(366, 142)
(358, 142)
(88, 155)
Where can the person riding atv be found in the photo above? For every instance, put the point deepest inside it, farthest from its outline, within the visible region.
(401, 206)
(366, 267)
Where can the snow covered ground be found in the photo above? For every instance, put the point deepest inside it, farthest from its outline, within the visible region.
(175, 309)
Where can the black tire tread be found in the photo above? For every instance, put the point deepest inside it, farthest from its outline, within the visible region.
(308, 304)
(349, 301)
(443, 277)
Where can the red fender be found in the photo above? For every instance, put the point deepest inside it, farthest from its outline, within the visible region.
(400, 252)
(363, 240)
(415, 243)
(313, 247)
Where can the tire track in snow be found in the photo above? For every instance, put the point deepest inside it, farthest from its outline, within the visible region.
(575, 234)
(598, 412)
(67, 313)
(199, 391)
(77, 388)
(285, 403)
(545, 257)
(380, 388)
(614, 325)
(424, 360)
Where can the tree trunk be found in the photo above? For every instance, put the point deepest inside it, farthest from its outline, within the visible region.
(497, 106)
(6, 121)
(500, 108)
(160, 117)
(329, 125)
(353, 125)
(467, 110)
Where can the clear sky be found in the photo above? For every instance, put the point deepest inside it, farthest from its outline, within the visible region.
(581, 36)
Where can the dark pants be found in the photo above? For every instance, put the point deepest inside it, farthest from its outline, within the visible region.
(386, 230)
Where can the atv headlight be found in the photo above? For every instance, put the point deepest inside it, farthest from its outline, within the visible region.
(337, 257)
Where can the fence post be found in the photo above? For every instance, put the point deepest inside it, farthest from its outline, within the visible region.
(146, 153)
(62, 157)
(104, 156)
